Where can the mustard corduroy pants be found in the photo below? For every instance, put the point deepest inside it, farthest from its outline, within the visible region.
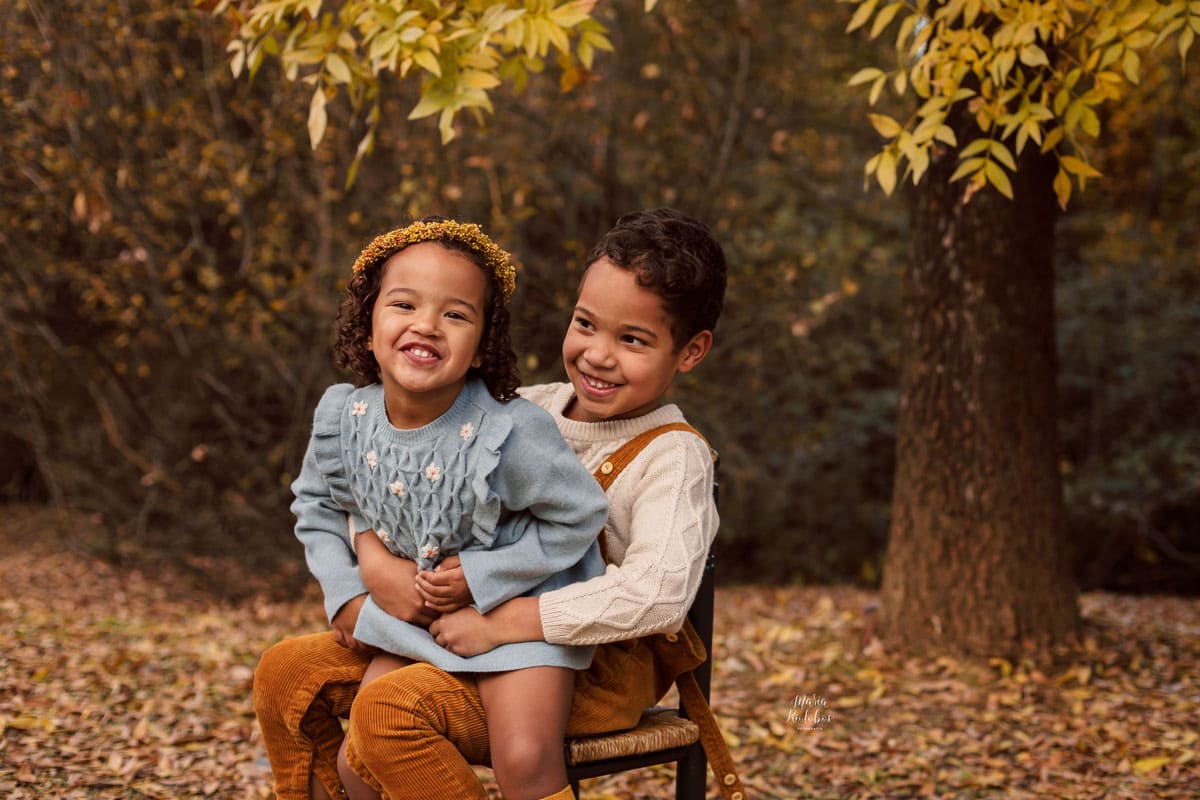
(415, 731)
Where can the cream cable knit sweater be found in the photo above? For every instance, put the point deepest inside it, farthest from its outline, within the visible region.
(661, 522)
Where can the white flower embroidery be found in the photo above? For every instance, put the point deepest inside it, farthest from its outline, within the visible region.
(433, 472)
(430, 551)
(360, 408)
(396, 488)
(372, 458)
(466, 431)
(384, 536)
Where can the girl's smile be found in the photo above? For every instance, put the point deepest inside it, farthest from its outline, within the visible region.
(426, 326)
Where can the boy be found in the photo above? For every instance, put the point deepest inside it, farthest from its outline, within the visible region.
(647, 306)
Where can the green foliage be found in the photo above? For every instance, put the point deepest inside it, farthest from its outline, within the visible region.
(1028, 72)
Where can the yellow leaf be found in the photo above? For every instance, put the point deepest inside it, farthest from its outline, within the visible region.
(967, 167)
(1062, 188)
(861, 15)
(1078, 166)
(475, 79)
(1002, 154)
(428, 105)
(1130, 65)
(877, 88)
(650, 4)
(337, 68)
(428, 61)
(317, 118)
(1033, 56)
(997, 177)
(1145, 765)
(886, 172)
(884, 18)
(864, 75)
(886, 126)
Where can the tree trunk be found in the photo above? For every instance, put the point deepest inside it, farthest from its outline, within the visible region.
(977, 560)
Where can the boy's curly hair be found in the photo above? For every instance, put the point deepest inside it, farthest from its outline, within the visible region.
(675, 256)
(498, 362)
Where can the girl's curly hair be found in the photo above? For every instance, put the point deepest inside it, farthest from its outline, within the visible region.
(498, 362)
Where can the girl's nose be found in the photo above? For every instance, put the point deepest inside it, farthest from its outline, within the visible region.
(426, 324)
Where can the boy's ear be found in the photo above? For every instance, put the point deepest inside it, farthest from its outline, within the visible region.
(695, 350)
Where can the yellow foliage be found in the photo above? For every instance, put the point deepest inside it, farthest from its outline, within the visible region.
(465, 49)
(1026, 70)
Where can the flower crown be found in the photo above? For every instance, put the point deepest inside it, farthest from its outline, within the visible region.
(470, 234)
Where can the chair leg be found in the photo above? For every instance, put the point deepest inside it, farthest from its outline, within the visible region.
(691, 773)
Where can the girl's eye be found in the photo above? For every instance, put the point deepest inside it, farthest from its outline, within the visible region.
(456, 315)
(402, 305)
(634, 340)
(583, 323)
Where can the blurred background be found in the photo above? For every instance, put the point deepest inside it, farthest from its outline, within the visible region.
(172, 252)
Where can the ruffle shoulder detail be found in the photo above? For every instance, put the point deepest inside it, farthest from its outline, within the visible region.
(327, 443)
(495, 426)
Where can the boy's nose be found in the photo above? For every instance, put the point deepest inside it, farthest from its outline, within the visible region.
(599, 354)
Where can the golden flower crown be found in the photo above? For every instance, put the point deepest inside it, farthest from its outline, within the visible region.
(470, 234)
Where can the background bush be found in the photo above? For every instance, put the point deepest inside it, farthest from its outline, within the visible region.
(172, 252)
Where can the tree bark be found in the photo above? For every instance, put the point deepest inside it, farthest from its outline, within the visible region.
(977, 560)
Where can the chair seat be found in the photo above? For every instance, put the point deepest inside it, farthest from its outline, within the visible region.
(659, 729)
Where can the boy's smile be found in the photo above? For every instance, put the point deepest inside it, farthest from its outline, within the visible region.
(619, 352)
(426, 326)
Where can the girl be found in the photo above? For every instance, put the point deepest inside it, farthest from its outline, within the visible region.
(433, 458)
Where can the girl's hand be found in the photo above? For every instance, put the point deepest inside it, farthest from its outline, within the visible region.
(391, 580)
(465, 633)
(344, 622)
(444, 588)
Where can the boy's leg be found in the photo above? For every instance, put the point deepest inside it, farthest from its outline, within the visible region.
(356, 787)
(526, 712)
(302, 687)
(416, 731)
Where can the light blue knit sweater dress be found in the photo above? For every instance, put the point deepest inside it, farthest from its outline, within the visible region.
(492, 482)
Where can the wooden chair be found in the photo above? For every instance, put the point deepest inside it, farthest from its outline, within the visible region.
(665, 734)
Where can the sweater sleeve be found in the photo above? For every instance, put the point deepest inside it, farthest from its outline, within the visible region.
(664, 500)
(321, 521)
(558, 512)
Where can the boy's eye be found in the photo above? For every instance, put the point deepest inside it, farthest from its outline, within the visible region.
(630, 339)
(583, 323)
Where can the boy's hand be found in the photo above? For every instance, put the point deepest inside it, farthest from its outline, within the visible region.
(391, 580)
(465, 633)
(344, 622)
(444, 588)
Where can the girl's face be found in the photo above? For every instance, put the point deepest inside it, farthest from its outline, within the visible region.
(426, 327)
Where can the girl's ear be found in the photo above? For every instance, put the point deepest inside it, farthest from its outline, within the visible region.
(695, 350)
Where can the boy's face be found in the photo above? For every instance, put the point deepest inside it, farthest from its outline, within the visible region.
(619, 352)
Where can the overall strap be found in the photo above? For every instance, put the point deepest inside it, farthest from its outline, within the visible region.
(690, 696)
(607, 472)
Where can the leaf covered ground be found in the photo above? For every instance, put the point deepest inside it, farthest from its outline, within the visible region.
(132, 683)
